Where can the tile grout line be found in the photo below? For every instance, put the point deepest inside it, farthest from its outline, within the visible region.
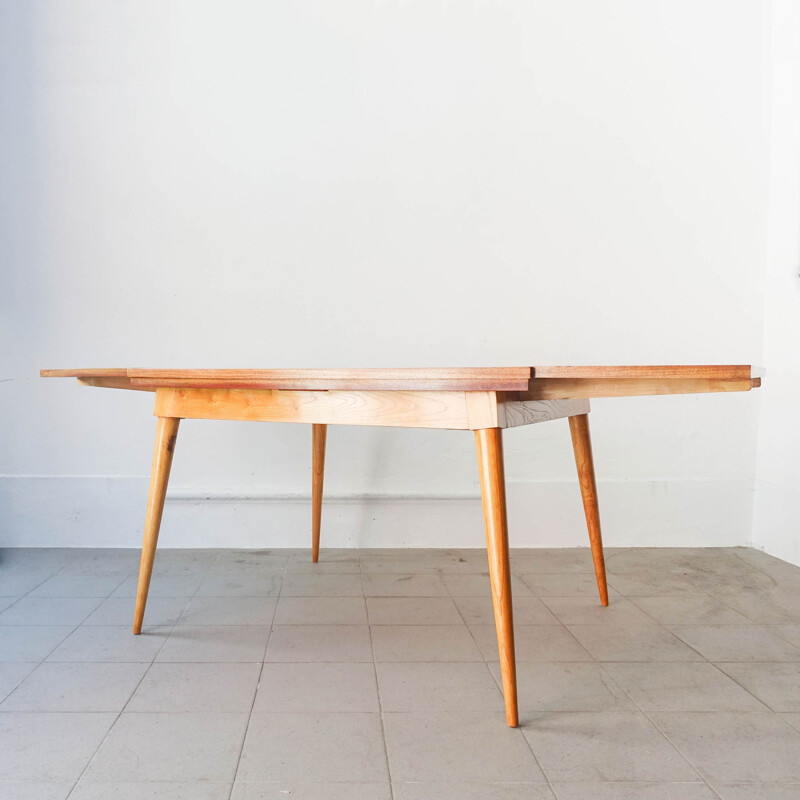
(258, 682)
(500, 688)
(654, 725)
(141, 680)
(377, 689)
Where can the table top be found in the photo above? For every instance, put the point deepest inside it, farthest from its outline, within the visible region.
(579, 380)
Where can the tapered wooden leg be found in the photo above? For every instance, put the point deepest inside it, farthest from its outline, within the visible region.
(318, 436)
(166, 435)
(582, 445)
(493, 491)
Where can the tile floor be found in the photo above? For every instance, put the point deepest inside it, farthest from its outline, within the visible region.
(373, 675)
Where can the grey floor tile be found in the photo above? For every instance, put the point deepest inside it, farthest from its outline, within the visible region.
(182, 747)
(299, 584)
(472, 791)
(317, 687)
(533, 643)
(161, 586)
(565, 584)
(76, 586)
(424, 643)
(242, 562)
(403, 585)
(689, 609)
(681, 686)
(240, 586)
(32, 559)
(110, 643)
(272, 790)
(197, 687)
(104, 563)
(408, 566)
(634, 791)
(321, 611)
(49, 611)
(565, 687)
(215, 643)
(49, 747)
(650, 582)
(438, 687)
(792, 719)
(478, 586)
(632, 643)
(35, 790)
(789, 632)
(609, 746)
(527, 611)
(459, 561)
(160, 611)
(229, 611)
(76, 687)
(315, 747)
(553, 560)
(151, 790)
(32, 643)
(16, 584)
(340, 566)
(413, 611)
(727, 574)
(463, 746)
(733, 747)
(758, 791)
(777, 685)
(339, 643)
(588, 611)
(636, 559)
(768, 606)
(12, 674)
(737, 642)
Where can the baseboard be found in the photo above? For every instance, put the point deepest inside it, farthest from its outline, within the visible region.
(775, 516)
(109, 512)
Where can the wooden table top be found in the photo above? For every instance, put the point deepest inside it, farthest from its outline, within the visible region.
(568, 381)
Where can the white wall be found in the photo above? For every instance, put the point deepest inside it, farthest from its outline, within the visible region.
(776, 523)
(378, 184)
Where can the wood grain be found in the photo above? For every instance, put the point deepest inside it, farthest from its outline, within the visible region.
(166, 437)
(582, 445)
(489, 444)
(318, 436)
(394, 409)
(541, 383)
(686, 371)
(528, 412)
(565, 388)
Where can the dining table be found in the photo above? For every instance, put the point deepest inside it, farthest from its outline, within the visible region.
(484, 400)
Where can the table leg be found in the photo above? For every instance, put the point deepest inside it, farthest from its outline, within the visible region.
(166, 435)
(318, 436)
(489, 442)
(582, 445)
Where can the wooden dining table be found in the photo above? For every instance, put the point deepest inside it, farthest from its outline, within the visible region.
(485, 400)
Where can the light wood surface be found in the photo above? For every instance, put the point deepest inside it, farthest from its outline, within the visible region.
(415, 409)
(514, 413)
(411, 409)
(318, 435)
(489, 443)
(574, 381)
(582, 445)
(566, 388)
(166, 437)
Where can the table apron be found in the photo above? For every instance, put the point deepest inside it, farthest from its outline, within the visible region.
(453, 410)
